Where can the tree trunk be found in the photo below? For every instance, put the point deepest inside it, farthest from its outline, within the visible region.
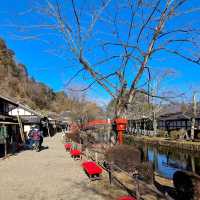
(120, 109)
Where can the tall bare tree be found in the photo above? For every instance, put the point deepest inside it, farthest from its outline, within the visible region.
(115, 41)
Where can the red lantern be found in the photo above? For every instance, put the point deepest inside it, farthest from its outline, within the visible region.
(121, 127)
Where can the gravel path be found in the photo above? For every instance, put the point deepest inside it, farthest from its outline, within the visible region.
(47, 175)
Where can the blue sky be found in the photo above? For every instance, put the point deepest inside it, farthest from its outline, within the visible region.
(55, 71)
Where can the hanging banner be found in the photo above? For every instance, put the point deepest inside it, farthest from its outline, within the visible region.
(3, 134)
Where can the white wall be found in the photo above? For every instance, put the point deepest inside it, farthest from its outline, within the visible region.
(27, 128)
(21, 112)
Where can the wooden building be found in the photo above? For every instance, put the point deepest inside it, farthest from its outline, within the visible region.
(140, 126)
(167, 122)
(48, 124)
(10, 136)
(27, 115)
(55, 123)
(177, 121)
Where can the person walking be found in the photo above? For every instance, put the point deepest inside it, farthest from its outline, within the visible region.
(41, 139)
(36, 137)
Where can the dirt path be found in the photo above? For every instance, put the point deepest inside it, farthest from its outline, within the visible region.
(48, 175)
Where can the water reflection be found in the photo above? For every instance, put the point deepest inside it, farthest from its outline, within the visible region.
(167, 161)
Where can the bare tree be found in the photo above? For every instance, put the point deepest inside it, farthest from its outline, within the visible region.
(157, 91)
(114, 42)
(82, 109)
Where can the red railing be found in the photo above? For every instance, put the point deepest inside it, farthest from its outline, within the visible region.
(96, 122)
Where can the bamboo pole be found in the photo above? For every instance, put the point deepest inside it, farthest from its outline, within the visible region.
(20, 127)
(5, 146)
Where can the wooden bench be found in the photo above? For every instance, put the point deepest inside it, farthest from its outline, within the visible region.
(92, 170)
(76, 154)
(126, 198)
(68, 146)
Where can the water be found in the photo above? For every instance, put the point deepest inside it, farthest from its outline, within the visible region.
(167, 160)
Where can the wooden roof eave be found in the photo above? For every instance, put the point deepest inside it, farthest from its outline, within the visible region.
(9, 123)
(9, 100)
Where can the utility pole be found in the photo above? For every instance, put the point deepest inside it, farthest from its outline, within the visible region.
(194, 114)
(154, 122)
(154, 111)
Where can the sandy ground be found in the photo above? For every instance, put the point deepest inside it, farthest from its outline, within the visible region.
(47, 175)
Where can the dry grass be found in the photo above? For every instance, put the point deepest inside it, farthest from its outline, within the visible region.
(164, 181)
(104, 188)
(147, 191)
(125, 157)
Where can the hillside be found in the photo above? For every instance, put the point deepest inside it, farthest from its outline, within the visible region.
(16, 83)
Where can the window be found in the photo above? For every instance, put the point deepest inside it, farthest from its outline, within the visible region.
(178, 124)
(6, 110)
(163, 124)
(171, 124)
(183, 124)
(198, 122)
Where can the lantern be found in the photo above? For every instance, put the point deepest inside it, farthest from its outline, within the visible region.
(121, 124)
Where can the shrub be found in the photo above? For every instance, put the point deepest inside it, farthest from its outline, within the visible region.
(178, 134)
(124, 156)
(75, 137)
(146, 172)
(187, 185)
(129, 140)
(161, 133)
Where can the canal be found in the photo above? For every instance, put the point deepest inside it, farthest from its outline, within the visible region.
(167, 161)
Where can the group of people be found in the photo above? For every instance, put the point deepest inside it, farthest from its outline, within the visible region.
(35, 138)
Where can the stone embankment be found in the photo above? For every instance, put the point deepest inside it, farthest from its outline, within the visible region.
(177, 144)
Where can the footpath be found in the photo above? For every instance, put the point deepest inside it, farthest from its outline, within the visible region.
(50, 174)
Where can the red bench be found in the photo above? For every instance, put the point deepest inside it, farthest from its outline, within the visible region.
(68, 146)
(75, 153)
(126, 198)
(92, 169)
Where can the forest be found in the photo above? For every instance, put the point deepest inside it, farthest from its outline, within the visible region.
(17, 84)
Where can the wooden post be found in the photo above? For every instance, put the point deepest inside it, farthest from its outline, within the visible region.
(54, 128)
(110, 173)
(4, 134)
(193, 116)
(137, 189)
(12, 143)
(136, 127)
(48, 130)
(96, 157)
(5, 150)
(193, 163)
(20, 127)
(86, 153)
